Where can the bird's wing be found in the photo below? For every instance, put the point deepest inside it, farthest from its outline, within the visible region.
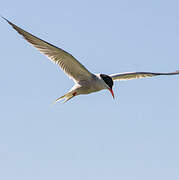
(73, 68)
(136, 75)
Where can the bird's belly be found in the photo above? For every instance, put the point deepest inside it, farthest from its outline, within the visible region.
(88, 90)
(87, 87)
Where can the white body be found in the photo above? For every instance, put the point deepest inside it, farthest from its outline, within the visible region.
(94, 84)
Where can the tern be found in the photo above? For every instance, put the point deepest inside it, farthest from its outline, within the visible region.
(85, 81)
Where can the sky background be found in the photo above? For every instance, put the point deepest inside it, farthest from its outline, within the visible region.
(92, 136)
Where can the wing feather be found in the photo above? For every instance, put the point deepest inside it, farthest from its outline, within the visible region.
(137, 75)
(72, 67)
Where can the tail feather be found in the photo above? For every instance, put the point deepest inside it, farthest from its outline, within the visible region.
(67, 97)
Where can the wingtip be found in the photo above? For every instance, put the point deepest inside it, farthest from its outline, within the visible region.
(5, 18)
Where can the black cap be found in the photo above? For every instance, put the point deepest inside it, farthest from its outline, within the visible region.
(107, 79)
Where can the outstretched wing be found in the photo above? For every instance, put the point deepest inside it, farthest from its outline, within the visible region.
(73, 68)
(136, 75)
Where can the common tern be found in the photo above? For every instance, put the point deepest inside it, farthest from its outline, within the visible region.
(85, 81)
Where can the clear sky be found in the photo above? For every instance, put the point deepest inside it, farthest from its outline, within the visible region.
(92, 136)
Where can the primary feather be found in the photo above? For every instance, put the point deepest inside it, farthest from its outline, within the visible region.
(72, 67)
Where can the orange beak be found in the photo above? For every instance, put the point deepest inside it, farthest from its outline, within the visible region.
(111, 91)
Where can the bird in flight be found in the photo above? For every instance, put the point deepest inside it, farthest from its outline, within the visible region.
(85, 82)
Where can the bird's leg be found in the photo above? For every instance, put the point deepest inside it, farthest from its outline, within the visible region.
(74, 94)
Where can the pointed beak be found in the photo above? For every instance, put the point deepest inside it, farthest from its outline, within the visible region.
(111, 91)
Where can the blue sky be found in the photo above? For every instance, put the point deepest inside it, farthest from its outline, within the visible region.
(94, 137)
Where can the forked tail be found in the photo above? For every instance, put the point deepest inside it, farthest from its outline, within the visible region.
(67, 97)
